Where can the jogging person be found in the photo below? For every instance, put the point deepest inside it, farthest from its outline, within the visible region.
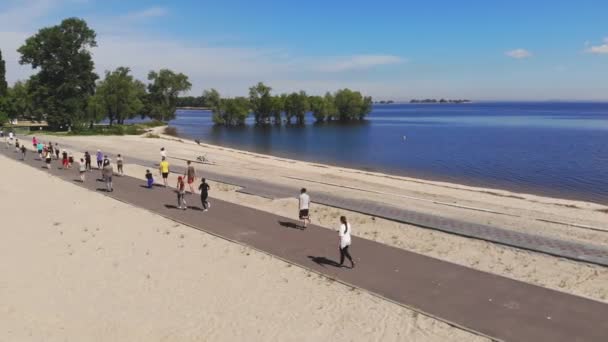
(48, 158)
(17, 146)
(119, 162)
(304, 206)
(35, 143)
(107, 173)
(345, 240)
(57, 151)
(40, 147)
(64, 159)
(23, 150)
(87, 161)
(82, 170)
(190, 176)
(164, 170)
(204, 189)
(99, 159)
(149, 179)
(163, 153)
(181, 192)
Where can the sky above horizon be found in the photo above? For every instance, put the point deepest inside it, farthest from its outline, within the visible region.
(399, 50)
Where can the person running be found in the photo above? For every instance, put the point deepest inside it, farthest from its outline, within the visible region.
(70, 160)
(11, 137)
(149, 179)
(204, 189)
(163, 153)
(99, 159)
(304, 205)
(64, 159)
(1, 133)
(40, 147)
(50, 148)
(119, 162)
(48, 156)
(181, 192)
(87, 161)
(107, 173)
(23, 150)
(164, 170)
(345, 240)
(17, 145)
(190, 176)
(35, 143)
(82, 169)
(57, 151)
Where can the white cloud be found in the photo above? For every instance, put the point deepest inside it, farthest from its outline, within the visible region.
(519, 53)
(358, 62)
(152, 12)
(598, 49)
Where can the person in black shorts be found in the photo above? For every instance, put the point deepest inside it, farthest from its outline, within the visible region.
(87, 161)
(204, 189)
(304, 206)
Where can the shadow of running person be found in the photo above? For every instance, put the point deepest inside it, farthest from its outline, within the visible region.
(322, 261)
(291, 225)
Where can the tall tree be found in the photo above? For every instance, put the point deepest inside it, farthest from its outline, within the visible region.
(65, 79)
(351, 105)
(165, 88)
(277, 106)
(296, 105)
(3, 84)
(121, 95)
(261, 102)
(20, 101)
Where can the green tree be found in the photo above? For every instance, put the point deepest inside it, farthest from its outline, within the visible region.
(296, 105)
(3, 84)
(20, 101)
(261, 102)
(214, 101)
(121, 95)
(277, 106)
(351, 105)
(96, 110)
(235, 111)
(164, 90)
(65, 79)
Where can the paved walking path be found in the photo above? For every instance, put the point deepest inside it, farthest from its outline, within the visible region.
(566, 249)
(491, 305)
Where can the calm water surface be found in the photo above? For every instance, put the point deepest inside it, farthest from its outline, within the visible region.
(554, 149)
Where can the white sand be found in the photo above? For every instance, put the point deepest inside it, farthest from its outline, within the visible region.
(556, 273)
(78, 266)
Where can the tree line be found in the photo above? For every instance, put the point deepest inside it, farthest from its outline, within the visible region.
(67, 93)
(343, 105)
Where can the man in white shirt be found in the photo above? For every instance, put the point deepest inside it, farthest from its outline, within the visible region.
(304, 205)
(163, 153)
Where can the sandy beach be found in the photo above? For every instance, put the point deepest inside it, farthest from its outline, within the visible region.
(521, 212)
(79, 266)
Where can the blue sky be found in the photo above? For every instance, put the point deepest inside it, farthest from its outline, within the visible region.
(483, 50)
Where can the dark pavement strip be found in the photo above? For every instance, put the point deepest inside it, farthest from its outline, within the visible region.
(491, 305)
(557, 247)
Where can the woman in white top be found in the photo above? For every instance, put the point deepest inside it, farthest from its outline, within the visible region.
(344, 233)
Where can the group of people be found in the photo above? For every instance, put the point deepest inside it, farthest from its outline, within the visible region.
(189, 177)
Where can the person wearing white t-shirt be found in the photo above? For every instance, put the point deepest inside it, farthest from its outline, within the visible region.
(345, 240)
(163, 153)
(304, 206)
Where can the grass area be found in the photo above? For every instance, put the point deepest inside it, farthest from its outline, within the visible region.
(152, 136)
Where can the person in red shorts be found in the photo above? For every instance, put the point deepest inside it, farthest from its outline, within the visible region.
(190, 176)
